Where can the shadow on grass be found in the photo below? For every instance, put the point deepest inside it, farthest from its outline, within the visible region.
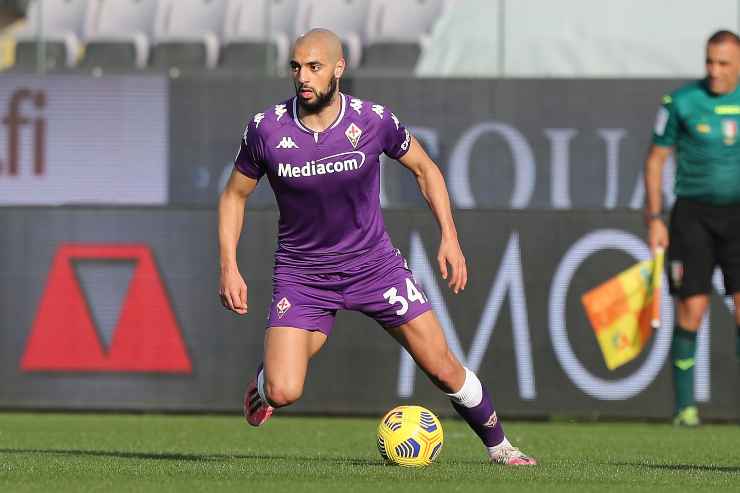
(189, 457)
(165, 456)
(681, 467)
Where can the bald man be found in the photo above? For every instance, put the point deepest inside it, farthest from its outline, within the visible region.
(699, 122)
(320, 151)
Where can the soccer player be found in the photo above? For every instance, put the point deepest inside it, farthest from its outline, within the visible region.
(700, 122)
(320, 151)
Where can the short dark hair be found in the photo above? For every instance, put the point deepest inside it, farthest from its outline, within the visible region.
(723, 37)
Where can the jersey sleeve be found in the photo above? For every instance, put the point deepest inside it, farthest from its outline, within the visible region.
(250, 158)
(396, 137)
(666, 124)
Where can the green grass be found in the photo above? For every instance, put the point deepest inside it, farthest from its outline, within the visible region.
(86, 452)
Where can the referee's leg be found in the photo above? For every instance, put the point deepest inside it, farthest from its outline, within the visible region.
(691, 310)
(689, 314)
(691, 261)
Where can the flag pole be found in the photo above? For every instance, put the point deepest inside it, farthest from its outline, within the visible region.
(657, 282)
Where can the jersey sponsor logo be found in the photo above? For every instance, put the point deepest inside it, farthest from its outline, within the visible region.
(353, 133)
(336, 163)
(378, 110)
(283, 306)
(661, 120)
(729, 130)
(356, 104)
(727, 109)
(257, 119)
(287, 143)
(280, 110)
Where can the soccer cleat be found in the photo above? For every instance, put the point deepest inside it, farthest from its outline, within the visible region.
(256, 411)
(511, 456)
(688, 416)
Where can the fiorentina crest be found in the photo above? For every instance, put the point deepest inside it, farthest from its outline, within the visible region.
(283, 306)
(353, 133)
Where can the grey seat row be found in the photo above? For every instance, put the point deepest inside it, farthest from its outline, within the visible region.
(242, 35)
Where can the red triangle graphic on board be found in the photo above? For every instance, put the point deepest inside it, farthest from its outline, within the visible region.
(146, 337)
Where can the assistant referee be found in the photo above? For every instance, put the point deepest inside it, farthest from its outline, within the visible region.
(699, 122)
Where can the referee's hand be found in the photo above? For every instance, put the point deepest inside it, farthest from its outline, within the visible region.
(657, 234)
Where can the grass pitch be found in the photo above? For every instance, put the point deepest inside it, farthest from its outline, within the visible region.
(87, 452)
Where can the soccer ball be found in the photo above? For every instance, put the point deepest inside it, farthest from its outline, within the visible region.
(410, 436)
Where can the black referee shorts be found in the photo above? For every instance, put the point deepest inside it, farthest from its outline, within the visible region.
(703, 236)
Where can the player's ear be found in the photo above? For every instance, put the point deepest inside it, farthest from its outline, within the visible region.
(339, 68)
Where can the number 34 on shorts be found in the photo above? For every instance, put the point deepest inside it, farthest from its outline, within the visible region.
(403, 300)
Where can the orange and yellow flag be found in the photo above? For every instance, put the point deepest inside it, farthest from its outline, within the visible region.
(624, 310)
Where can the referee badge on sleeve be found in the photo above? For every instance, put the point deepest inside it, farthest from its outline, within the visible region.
(729, 131)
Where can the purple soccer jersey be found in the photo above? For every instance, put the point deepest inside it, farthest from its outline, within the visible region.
(327, 184)
(333, 251)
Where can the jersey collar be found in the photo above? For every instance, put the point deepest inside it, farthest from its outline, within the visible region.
(308, 130)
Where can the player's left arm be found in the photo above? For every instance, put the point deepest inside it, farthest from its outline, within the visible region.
(433, 188)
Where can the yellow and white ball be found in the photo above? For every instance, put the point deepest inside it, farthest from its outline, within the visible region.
(410, 436)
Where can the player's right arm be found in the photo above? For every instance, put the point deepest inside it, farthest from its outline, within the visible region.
(248, 168)
(231, 204)
(664, 139)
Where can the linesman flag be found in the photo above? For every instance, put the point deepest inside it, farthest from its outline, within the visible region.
(624, 310)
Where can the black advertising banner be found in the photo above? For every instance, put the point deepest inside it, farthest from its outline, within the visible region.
(510, 144)
(118, 309)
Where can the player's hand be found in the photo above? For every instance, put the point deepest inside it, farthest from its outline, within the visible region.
(657, 234)
(233, 291)
(451, 253)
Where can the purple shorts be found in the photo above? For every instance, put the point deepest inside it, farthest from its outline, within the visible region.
(383, 288)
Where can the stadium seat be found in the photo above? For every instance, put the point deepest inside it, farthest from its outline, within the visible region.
(187, 34)
(117, 34)
(397, 31)
(249, 44)
(347, 18)
(60, 26)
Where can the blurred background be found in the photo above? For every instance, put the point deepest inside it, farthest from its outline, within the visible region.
(120, 121)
